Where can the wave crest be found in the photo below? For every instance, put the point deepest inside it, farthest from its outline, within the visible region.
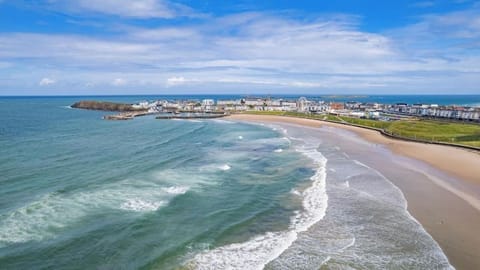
(259, 251)
(139, 205)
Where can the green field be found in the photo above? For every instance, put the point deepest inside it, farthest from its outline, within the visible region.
(468, 134)
(436, 131)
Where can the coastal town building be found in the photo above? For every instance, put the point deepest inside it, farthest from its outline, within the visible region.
(208, 104)
(435, 111)
(370, 110)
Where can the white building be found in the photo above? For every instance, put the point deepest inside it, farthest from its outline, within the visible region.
(208, 104)
(228, 102)
(254, 102)
(289, 105)
(302, 104)
(141, 105)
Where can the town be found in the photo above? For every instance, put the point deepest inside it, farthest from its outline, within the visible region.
(376, 111)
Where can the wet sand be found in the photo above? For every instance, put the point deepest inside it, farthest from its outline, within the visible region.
(442, 189)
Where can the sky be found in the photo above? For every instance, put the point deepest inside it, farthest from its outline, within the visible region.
(110, 47)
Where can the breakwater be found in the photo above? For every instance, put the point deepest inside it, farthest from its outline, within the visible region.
(125, 115)
(209, 115)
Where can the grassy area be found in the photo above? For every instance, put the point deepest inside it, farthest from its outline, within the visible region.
(366, 122)
(468, 134)
(459, 133)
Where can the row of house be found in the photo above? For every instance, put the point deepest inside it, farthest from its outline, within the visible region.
(352, 109)
(243, 104)
(268, 104)
(436, 111)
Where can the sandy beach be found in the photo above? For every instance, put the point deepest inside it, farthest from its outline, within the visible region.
(443, 191)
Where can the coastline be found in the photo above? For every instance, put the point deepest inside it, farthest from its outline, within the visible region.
(447, 204)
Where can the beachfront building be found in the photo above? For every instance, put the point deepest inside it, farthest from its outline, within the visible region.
(274, 102)
(335, 106)
(352, 105)
(373, 114)
(168, 106)
(208, 104)
(254, 102)
(231, 105)
(142, 105)
(270, 104)
(302, 104)
(472, 114)
(435, 111)
(319, 107)
(309, 106)
(350, 109)
(225, 103)
(289, 105)
(155, 107)
(190, 105)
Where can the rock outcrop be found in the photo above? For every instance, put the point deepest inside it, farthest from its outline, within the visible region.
(104, 106)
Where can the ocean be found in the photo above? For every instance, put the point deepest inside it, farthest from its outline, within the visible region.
(79, 192)
(460, 100)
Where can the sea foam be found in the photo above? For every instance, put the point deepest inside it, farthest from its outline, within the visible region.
(139, 205)
(177, 190)
(215, 168)
(43, 218)
(225, 167)
(259, 251)
(220, 121)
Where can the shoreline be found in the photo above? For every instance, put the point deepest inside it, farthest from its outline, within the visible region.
(447, 204)
(466, 166)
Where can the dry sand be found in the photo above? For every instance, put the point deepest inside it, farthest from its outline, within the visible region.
(455, 161)
(448, 208)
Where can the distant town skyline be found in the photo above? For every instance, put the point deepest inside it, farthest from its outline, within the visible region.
(124, 47)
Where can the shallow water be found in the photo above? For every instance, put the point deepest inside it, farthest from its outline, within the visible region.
(366, 225)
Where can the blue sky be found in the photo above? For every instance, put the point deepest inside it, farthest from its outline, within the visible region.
(74, 47)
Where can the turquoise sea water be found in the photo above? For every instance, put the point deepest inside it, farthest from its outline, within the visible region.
(78, 192)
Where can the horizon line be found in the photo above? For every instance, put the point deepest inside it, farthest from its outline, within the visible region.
(235, 94)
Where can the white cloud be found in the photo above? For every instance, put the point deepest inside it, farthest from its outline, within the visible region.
(140, 9)
(119, 82)
(443, 27)
(255, 51)
(46, 81)
(129, 8)
(173, 81)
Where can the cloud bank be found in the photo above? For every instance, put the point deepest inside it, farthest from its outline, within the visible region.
(248, 53)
